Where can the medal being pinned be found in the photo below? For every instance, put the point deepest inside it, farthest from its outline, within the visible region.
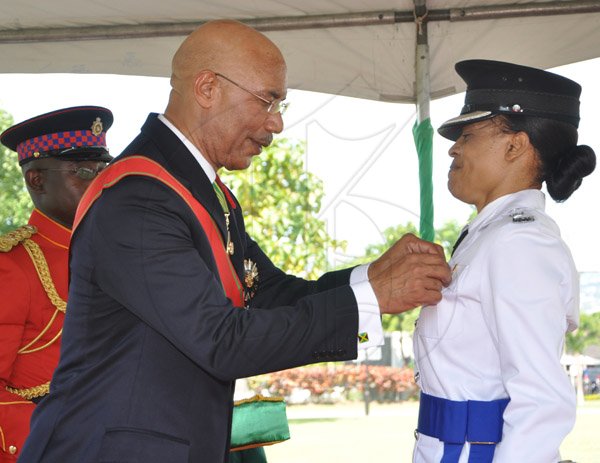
(250, 280)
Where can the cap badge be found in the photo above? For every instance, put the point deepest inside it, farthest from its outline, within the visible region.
(97, 127)
(516, 108)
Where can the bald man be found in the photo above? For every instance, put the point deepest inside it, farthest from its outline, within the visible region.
(170, 300)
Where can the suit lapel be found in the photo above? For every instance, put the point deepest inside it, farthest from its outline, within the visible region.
(178, 160)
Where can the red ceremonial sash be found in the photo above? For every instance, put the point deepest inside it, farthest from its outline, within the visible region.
(141, 165)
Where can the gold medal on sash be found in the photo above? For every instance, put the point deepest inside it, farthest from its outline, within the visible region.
(230, 248)
(250, 280)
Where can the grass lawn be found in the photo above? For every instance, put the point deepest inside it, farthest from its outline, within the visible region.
(343, 434)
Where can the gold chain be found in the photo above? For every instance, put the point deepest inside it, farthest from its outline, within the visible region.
(31, 392)
(41, 267)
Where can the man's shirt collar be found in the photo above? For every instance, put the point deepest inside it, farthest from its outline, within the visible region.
(206, 167)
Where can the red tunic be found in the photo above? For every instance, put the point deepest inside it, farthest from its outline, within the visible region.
(31, 319)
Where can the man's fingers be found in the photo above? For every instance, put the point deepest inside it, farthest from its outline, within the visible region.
(413, 281)
(415, 260)
(409, 243)
(433, 284)
(426, 247)
(427, 265)
(440, 272)
(430, 298)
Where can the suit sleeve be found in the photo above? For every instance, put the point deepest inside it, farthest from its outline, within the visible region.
(277, 288)
(532, 288)
(153, 258)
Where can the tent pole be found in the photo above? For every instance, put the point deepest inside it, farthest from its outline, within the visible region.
(422, 62)
(422, 130)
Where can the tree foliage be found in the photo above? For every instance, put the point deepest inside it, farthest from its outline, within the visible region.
(586, 335)
(15, 203)
(281, 201)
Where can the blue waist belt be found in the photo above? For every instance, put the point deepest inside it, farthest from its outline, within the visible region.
(454, 423)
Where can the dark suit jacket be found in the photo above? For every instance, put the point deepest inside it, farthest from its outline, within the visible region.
(151, 346)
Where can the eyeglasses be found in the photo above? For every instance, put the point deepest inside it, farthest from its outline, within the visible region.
(275, 106)
(84, 173)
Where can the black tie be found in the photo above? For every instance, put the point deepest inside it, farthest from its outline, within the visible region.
(459, 240)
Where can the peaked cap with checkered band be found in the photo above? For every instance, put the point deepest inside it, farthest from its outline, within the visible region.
(74, 134)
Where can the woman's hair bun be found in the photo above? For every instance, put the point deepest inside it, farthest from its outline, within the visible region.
(568, 173)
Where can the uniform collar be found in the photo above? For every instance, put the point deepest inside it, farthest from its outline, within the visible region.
(49, 229)
(528, 199)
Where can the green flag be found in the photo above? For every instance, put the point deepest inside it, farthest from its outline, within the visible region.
(423, 136)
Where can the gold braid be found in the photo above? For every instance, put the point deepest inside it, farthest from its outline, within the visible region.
(11, 239)
(41, 267)
(22, 235)
(31, 392)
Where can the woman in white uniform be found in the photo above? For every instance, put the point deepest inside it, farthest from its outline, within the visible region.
(487, 356)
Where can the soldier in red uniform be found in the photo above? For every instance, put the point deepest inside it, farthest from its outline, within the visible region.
(59, 153)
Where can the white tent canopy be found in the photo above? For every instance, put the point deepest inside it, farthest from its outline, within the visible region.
(360, 48)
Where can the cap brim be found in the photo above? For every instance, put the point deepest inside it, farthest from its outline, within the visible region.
(452, 128)
(88, 153)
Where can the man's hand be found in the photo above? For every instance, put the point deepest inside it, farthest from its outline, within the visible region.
(411, 273)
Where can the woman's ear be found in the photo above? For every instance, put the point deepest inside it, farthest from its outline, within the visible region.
(519, 145)
(205, 88)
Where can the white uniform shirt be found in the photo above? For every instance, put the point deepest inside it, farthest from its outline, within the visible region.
(499, 330)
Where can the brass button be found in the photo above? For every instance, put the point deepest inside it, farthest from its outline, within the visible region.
(12, 449)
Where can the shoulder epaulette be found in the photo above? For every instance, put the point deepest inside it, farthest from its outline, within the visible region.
(521, 215)
(12, 238)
